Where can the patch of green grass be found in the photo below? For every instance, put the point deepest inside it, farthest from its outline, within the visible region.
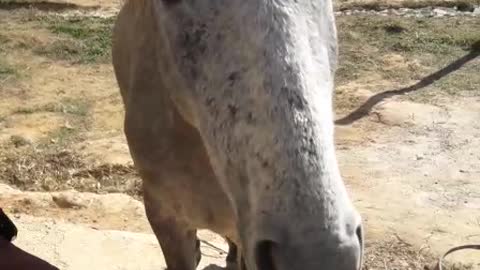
(62, 49)
(17, 41)
(64, 136)
(432, 36)
(81, 40)
(19, 141)
(365, 41)
(76, 112)
(3, 42)
(420, 47)
(78, 107)
(69, 106)
(464, 82)
(25, 111)
(6, 70)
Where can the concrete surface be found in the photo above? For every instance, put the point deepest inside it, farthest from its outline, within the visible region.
(79, 247)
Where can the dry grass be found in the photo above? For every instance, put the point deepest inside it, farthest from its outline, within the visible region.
(81, 40)
(78, 40)
(433, 42)
(401, 51)
(396, 254)
(421, 46)
(465, 5)
(57, 5)
(53, 169)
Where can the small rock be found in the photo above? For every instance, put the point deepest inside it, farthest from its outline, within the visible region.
(68, 126)
(476, 11)
(68, 200)
(397, 12)
(439, 12)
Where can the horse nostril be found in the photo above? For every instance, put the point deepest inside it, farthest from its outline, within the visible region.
(359, 233)
(360, 236)
(264, 255)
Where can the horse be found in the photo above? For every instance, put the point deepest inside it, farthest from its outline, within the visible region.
(229, 122)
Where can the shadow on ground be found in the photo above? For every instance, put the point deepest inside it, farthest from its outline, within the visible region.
(367, 107)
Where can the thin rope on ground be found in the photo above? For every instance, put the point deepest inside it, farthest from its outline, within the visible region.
(214, 247)
(457, 248)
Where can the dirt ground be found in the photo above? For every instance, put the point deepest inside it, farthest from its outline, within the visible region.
(408, 145)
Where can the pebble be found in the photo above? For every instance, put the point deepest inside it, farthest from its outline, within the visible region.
(439, 12)
(397, 12)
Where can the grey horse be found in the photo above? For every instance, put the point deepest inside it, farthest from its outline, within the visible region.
(228, 118)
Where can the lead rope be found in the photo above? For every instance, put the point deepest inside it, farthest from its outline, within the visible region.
(219, 250)
(439, 263)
